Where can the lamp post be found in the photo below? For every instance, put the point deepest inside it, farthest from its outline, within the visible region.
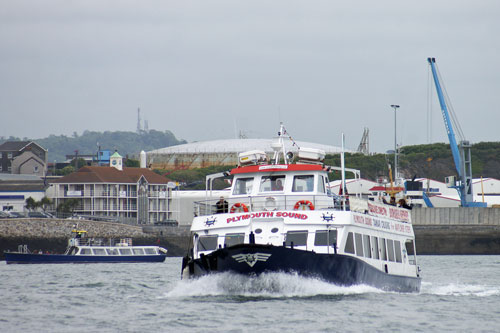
(395, 107)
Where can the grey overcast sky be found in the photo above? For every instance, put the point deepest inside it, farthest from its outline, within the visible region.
(207, 69)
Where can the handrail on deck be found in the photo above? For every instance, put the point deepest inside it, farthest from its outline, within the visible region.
(274, 202)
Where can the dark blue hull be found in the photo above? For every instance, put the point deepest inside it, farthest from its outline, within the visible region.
(254, 259)
(31, 258)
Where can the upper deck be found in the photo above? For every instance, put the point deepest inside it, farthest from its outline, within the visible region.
(277, 168)
(283, 183)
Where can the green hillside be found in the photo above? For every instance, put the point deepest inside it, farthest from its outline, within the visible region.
(433, 161)
(127, 143)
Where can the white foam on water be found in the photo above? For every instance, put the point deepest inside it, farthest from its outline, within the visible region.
(265, 285)
(459, 289)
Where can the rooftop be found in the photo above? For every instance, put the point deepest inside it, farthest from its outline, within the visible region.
(240, 145)
(95, 174)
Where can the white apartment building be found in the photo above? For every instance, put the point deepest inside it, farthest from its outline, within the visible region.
(124, 193)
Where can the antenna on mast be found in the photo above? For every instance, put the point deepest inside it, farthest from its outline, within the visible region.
(138, 120)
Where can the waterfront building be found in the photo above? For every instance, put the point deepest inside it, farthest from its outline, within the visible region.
(130, 195)
(23, 157)
(15, 189)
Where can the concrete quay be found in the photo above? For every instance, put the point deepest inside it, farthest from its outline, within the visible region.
(457, 230)
(53, 234)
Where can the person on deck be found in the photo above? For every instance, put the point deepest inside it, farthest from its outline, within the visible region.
(221, 206)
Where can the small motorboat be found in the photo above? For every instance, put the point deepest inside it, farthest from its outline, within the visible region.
(82, 249)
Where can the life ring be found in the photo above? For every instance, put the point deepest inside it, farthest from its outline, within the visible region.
(270, 204)
(239, 207)
(304, 203)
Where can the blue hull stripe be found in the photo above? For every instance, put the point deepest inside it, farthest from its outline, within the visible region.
(29, 258)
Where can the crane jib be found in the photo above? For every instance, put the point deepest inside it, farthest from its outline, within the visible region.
(461, 157)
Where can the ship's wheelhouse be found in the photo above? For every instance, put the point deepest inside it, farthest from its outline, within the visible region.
(284, 187)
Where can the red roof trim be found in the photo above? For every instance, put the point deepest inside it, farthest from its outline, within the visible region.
(277, 168)
(383, 188)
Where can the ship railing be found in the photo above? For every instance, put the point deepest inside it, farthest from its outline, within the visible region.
(23, 248)
(91, 241)
(271, 203)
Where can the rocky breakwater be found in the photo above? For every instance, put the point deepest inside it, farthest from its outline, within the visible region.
(51, 235)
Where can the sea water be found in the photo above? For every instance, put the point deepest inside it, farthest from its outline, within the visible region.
(459, 293)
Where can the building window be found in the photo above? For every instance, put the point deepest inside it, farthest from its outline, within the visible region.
(9, 155)
(35, 168)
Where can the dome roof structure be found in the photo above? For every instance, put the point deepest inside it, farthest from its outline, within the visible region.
(220, 152)
(240, 145)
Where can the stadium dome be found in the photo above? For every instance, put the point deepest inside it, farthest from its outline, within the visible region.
(220, 152)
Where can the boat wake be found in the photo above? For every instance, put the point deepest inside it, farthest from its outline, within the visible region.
(268, 285)
(458, 289)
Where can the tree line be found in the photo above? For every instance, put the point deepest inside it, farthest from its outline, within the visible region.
(67, 206)
(88, 143)
(434, 161)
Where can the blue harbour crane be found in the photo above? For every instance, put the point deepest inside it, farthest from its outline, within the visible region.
(461, 151)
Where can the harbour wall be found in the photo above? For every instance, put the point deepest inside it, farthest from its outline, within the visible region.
(457, 230)
(51, 235)
(437, 231)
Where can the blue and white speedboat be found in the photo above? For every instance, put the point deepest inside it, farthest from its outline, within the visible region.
(281, 217)
(82, 249)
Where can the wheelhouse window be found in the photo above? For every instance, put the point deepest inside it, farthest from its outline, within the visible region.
(325, 238)
(303, 183)
(349, 244)
(298, 238)
(233, 239)
(272, 183)
(321, 184)
(243, 186)
(207, 243)
(359, 244)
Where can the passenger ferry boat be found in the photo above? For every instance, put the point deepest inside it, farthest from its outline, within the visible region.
(82, 249)
(281, 217)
